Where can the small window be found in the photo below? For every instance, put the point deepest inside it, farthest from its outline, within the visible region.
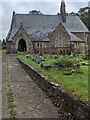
(37, 44)
(40, 44)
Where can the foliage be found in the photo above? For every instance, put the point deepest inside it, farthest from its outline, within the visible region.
(86, 57)
(10, 95)
(65, 62)
(3, 52)
(13, 113)
(86, 19)
(3, 44)
(0, 45)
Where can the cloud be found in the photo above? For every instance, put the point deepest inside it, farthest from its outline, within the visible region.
(45, 0)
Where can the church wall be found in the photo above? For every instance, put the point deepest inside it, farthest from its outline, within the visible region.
(86, 38)
(79, 47)
(21, 34)
(81, 35)
(88, 44)
(8, 46)
(41, 47)
(54, 42)
(13, 50)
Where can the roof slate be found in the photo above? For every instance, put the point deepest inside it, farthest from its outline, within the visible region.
(74, 38)
(40, 27)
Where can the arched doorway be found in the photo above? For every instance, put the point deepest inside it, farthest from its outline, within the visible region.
(22, 46)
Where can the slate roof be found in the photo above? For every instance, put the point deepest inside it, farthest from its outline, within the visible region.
(74, 38)
(40, 27)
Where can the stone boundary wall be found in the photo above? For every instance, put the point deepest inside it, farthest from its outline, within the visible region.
(75, 107)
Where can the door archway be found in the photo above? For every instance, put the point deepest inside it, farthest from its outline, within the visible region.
(22, 47)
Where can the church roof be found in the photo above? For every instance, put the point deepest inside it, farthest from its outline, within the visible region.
(40, 27)
(74, 38)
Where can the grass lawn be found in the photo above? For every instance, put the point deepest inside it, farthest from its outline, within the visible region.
(2, 51)
(76, 83)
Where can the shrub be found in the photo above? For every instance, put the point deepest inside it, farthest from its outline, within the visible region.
(83, 63)
(86, 57)
(65, 62)
(67, 73)
(72, 72)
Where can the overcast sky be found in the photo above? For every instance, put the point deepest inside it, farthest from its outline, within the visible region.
(24, 6)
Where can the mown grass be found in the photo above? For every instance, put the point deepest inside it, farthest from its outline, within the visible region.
(2, 51)
(76, 83)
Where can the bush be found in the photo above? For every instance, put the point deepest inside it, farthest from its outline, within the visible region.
(86, 57)
(2, 51)
(65, 62)
(72, 72)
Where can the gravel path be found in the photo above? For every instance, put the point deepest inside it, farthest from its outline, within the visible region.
(30, 100)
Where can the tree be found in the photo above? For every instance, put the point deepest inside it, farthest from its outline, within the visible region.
(3, 44)
(85, 16)
(0, 45)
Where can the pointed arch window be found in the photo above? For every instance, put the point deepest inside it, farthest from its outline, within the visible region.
(38, 44)
(59, 41)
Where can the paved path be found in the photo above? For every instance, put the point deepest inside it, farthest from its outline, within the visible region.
(0, 87)
(30, 100)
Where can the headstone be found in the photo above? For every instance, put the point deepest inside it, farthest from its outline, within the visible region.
(38, 59)
(49, 67)
(28, 56)
(32, 57)
(71, 56)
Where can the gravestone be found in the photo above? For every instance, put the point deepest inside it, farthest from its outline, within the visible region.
(28, 56)
(38, 59)
(71, 56)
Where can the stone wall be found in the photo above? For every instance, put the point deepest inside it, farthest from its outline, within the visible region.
(73, 106)
(10, 47)
(82, 35)
(60, 30)
(43, 46)
(79, 47)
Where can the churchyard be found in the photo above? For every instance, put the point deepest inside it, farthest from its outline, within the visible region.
(68, 71)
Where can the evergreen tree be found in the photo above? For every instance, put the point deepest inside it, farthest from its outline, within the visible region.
(85, 16)
(3, 44)
(0, 45)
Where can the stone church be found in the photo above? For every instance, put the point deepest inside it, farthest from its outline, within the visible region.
(36, 32)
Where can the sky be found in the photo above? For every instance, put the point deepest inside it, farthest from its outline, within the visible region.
(24, 6)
